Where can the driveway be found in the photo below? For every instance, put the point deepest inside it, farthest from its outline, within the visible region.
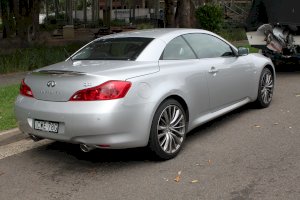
(246, 154)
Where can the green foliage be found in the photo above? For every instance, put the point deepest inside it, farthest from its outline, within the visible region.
(145, 26)
(34, 57)
(210, 17)
(251, 49)
(233, 34)
(118, 22)
(54, 20)
(8, 95)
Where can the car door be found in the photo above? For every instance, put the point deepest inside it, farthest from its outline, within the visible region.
(180, 66)
(229, 77)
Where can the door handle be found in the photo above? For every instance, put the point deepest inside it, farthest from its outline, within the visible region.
(213, 70)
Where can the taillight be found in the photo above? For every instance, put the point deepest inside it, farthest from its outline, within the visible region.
(25, 89)
(106, 91)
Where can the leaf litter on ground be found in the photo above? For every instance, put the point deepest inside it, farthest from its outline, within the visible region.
(178, 177)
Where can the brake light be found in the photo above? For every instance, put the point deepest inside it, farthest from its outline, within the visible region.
(25, 89)
(106, 91)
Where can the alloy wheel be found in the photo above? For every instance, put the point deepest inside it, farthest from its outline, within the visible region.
(171, 129)
(266, 87)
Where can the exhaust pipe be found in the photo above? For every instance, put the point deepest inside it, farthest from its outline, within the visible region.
(85, 148)
(35, 138)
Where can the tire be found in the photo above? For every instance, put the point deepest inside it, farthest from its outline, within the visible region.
(265, 89)
(168, 135)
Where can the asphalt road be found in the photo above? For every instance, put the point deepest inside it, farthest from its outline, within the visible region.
(247, 154)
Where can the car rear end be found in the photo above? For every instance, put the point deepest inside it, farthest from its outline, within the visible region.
(55, 106)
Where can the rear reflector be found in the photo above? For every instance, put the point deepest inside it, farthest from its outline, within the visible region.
(25, 90)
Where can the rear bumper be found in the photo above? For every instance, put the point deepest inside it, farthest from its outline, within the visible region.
(112, 123)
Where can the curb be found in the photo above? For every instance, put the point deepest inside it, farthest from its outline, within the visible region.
(14, 131)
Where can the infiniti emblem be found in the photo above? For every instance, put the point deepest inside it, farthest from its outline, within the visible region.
(51, 84)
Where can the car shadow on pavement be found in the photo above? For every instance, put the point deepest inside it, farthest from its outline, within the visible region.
(138, 154)
(287, 68)
(100, 155)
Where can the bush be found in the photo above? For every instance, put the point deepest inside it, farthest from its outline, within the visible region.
(210, 17)
(28, 59)
(145, 26)
(54, 20)
(118, 22)
(233, 34)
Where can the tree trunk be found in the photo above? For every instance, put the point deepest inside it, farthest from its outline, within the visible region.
(93, 10)
(169, 13)
(34, 34)
(56, 4)
(47, 9)
(133, 10)
(7, 18)
(27, 19)
(185, 14)
(70, 11)
(84, 12)
(107, 13)
(156, 8)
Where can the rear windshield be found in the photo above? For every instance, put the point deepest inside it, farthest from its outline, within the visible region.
(113, 49)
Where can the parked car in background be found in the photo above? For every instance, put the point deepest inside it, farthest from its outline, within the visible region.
(142, 88)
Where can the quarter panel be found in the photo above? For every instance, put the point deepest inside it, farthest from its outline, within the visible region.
(185, 78)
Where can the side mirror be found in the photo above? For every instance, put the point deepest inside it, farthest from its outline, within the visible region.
(242, 51)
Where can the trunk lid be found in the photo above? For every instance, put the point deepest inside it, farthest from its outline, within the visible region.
(60, 81)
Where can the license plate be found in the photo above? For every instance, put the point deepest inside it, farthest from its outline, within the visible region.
(46, 126)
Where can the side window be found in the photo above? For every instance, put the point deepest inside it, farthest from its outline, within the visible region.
(178, 49)
(208, 46)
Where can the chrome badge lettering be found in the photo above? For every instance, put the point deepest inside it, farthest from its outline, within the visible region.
(87, 84)
(50, 92)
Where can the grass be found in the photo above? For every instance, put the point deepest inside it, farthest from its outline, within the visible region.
(8, 95)
(233, 34)
(34, 57)
(252, 49)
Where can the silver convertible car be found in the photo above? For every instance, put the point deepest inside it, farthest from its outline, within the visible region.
(142, 88)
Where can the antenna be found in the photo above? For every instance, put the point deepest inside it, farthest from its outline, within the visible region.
(69, 56)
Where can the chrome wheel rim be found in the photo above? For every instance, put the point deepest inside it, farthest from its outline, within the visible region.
(267, 88)
(171, 129)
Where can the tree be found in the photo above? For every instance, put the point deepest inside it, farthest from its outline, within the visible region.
(185, 14)
(169, 13)
(21, 18)
(210, 17)
(69, 11)
(84, 11)
(27, 19)
(56, 5)
(132, 6)
(7, 17)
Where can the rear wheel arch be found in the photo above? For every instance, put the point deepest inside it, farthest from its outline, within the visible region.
(271, 69)
(182, 103)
